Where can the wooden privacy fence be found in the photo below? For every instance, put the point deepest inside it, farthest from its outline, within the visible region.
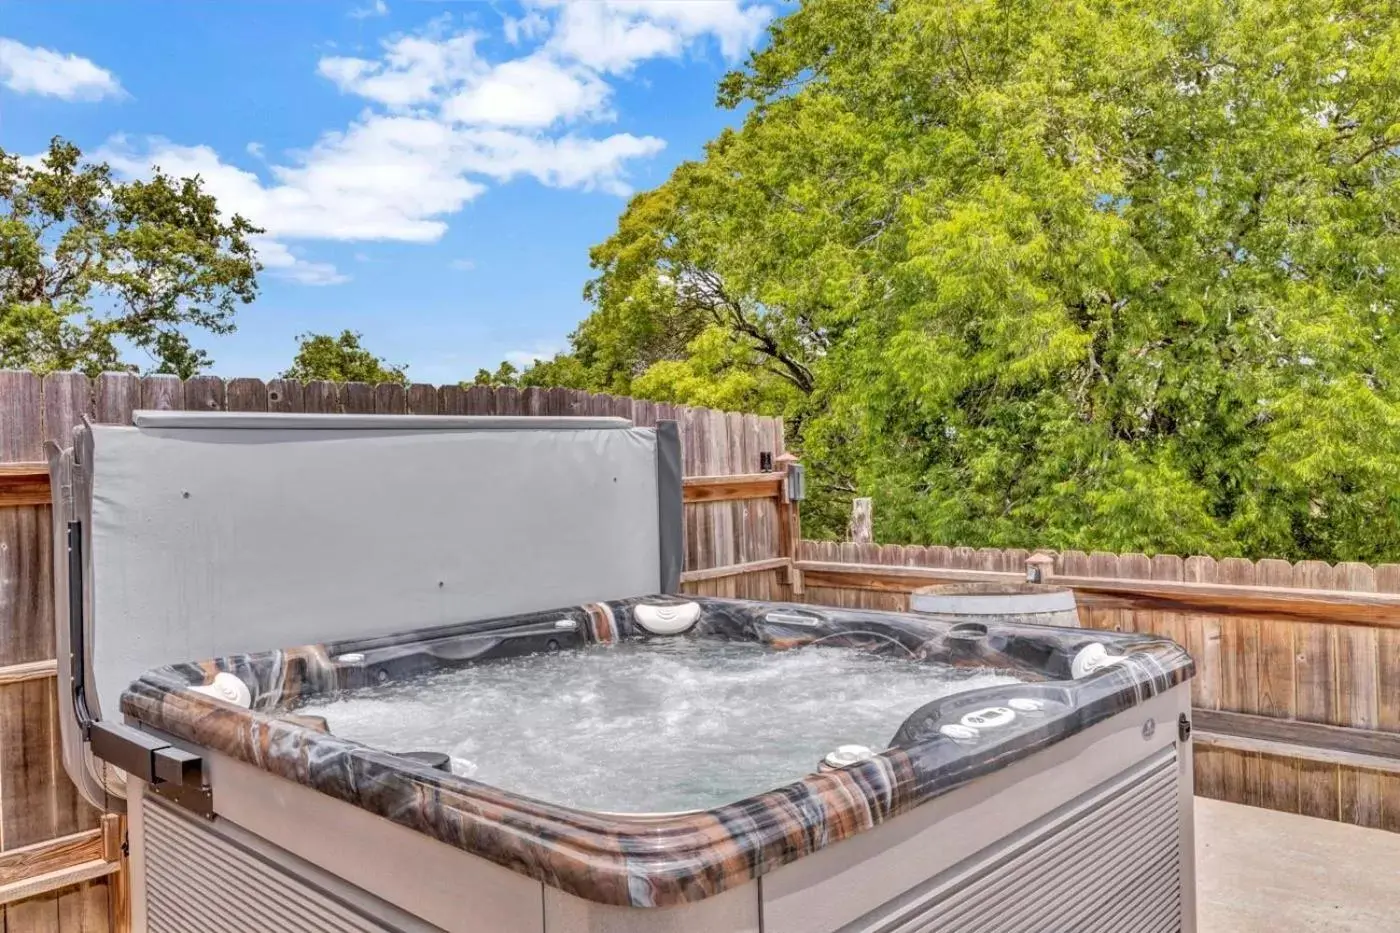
(61, 862)
(1297, 691)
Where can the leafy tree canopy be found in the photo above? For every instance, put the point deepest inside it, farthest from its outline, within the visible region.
(89, 264)
(507, 374)
(341, 359)
(1102, 273)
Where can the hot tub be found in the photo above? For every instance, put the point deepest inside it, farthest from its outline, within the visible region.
(627, 764)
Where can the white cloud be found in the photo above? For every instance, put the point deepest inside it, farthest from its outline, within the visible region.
(34, 70)
(614, 35)
(413, 70)
(524, 358)
(385, 178)
(278, 258)
(255, 149)
(442, 123)
(524, 28)
(462, 265)
(563, 162)
(377, 8)
(532, 91)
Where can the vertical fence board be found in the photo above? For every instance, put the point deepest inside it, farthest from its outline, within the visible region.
(1388, 683)
(452, 400)
(390, 399)
(21, 427)
(26, 609)
(1314, 699)
(1276, 649)
(1203, 643)
(118, 395)
(1132, 567)
(751, 513)
(247, 395)
(508, 401)
(286, 395)
(481, 400)
(1315, 661)
(357, 398)
(422, 399)
(556, 401)
(1239, 682)
(1359, 797)
(321, 397)
(1102, 564)
(622, 407)
(84, 909)
(35, 915)
(722, 530)
(68, 397)
(1279, 777)
(204, 393)
(1356, 664)
(1355, 657)
(1203, 638)
(162, 393)
(1168, 624)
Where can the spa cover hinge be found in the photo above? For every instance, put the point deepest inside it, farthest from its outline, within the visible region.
(172, 773)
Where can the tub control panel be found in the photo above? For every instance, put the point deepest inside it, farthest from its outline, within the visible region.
(972, 722)
(993, 717)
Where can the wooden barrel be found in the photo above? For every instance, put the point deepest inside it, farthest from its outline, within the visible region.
(998, 602)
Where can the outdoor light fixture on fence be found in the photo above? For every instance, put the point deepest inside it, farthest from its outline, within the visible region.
(796, 482)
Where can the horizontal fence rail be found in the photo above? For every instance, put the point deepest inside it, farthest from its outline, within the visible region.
(1336, 607)
(61, 863)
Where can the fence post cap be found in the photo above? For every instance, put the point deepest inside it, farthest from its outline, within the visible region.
(1040, 567)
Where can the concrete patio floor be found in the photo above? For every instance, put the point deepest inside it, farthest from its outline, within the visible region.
(1261, 871)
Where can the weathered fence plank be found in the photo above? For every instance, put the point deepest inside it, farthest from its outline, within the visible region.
(162, 393)
(247, 395)
(285, 395)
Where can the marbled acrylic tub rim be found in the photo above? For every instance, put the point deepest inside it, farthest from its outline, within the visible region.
(651, 861)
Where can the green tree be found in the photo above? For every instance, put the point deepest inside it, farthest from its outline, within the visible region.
(341, 359)
(505, 375)
(89, 264)
(1105, 273)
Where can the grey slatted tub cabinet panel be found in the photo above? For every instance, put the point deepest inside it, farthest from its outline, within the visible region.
(1108, 862)
(200, 881)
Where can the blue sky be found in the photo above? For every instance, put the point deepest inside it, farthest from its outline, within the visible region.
(431, 174)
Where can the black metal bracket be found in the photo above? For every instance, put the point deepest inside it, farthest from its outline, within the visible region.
(197, 800)
(1183, 727)
(173, 773)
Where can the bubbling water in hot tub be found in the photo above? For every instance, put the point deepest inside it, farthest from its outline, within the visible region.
(649, 726)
